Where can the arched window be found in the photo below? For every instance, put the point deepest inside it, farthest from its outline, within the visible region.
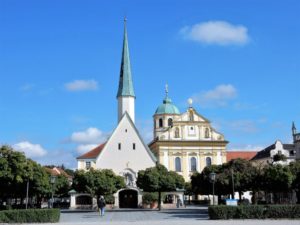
(160, 121)
(208, 161)
(193, 164)
(177, 164)
(206, 133)
(170, 122)
(176, 132)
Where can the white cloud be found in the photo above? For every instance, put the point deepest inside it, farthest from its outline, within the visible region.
(82, 85)
(59, 157)
(90, 136)
(81, 149)
(30, 150)
(218, 97)
(216, 32)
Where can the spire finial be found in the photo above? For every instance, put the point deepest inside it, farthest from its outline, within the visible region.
(167, 90)
(294, 130)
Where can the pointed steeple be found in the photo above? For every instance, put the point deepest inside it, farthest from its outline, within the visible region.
(125, 82)
(294, 130)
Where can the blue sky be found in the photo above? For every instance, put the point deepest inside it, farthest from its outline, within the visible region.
(60, 61)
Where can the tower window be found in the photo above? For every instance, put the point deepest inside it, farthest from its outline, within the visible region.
(170, 122)
(126, 130)
(119, 146)
(133, 146)
(160, 121)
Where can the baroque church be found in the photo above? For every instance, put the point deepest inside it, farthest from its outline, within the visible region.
(183, 142)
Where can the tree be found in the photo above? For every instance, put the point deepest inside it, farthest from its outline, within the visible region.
(277, 178)
(243, 174)
(97, 182)
(295, 170)
(159, 179)
(16, 170)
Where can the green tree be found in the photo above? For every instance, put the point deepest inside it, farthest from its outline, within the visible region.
(16, 170)
(97, 182)
(242, 172)
(159, 179)
(295, 170)
(277, 178)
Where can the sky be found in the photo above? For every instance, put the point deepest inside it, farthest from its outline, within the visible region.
(60, 61)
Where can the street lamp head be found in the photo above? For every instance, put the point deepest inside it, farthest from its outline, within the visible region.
(212, 176)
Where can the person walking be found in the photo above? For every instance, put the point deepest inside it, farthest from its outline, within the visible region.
(101, 205)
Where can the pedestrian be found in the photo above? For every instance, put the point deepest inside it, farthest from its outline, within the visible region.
(101, 205)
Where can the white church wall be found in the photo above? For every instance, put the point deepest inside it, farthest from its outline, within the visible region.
(118, 160)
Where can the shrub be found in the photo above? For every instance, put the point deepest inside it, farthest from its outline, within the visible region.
(254, 212)
(109, 199)
(283, 211)
(148, 197)
(30, 216)
(221, 212)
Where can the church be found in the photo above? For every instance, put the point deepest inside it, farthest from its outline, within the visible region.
(184, 143)
(124, 152)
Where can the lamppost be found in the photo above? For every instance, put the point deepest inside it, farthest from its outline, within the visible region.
(212, 177)
(232, 180)
(52, 181)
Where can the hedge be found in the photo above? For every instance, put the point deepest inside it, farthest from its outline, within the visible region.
(254, 212)
(30, 216)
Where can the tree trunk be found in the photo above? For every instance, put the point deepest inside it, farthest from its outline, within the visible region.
(240, 195)
(159, 200)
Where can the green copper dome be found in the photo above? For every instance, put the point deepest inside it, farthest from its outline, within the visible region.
(167, 107)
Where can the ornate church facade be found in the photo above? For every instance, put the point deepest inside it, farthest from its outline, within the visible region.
(185, 142)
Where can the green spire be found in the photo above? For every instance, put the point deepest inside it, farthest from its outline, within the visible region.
(125, 83)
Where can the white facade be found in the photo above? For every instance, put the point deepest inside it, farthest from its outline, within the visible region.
(125, 150)
(126, 104)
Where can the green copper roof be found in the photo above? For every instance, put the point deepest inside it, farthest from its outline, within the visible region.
(167, 107)
(125, 82)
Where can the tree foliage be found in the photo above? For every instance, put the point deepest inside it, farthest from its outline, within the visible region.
(16, 170)
(159, 179)
(97, 182)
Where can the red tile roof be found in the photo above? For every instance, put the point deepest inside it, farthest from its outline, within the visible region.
(56, 171)
(93, 153)
(240, 154)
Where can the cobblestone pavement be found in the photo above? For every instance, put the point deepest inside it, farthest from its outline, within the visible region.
(192, 213)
